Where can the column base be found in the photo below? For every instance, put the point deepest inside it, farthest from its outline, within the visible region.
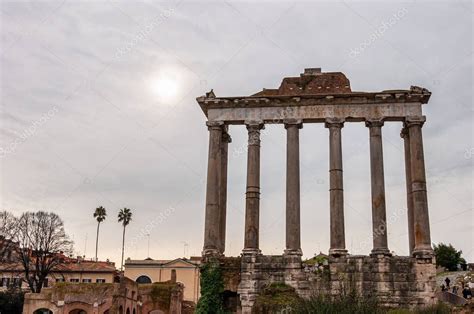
(211, 253)
(380, 252)
(293, 252)
(251, 252)
(337, 252)
(423, 252)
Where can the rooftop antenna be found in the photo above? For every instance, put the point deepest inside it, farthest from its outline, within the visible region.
(85, 245)
(148, 251)
(185, 245)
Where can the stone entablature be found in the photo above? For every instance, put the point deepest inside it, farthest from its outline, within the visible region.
(392, 105)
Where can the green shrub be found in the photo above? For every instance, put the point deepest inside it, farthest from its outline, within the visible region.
(276, 297)
(212, 288)
(11, 301)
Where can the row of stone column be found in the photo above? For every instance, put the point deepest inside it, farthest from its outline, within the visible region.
(418, 220)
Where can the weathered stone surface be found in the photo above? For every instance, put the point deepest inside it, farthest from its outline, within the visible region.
(336, 191)
(252, 199)
(293, 235)
(316, 97)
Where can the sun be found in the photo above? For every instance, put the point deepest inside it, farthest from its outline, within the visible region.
(165, 87)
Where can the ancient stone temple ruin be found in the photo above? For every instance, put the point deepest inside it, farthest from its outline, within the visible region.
(326, 98)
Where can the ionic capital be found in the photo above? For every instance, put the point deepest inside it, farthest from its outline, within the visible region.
(374, 123)
(298, 123)
(213, 125)
(254, 125)
(334, 123)
(415, 121)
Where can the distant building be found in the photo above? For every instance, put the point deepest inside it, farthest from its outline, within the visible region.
(185, 271)
(76, 270)
(123, 297)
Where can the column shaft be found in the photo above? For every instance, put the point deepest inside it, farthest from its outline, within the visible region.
(379, 212)
(293, 233)
(418, 187)
(411, 227)
(252, 201)
(223, 188)
(211, 227)
(336, 191)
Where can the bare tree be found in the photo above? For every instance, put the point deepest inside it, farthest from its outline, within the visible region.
(42, 245)
(7, 226)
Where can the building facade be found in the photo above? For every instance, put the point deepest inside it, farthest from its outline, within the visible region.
(184, 271)
(75, 270)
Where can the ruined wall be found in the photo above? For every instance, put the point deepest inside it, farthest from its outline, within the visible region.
(394, 281)
(98, 298)
(164, 296)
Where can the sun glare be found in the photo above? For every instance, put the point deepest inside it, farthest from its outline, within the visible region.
(165, 87)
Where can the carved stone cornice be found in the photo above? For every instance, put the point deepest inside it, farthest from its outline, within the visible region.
(414, 95)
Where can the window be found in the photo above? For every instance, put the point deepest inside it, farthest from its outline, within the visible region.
(59, 279)
(86, 280)
(17, 282)
(5, 282)
(74, 280)
(143, 279)
(100, 280)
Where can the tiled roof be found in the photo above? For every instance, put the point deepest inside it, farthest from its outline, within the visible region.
(71, 265)
(149, 261)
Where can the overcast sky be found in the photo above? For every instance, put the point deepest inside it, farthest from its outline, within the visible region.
(98, 108)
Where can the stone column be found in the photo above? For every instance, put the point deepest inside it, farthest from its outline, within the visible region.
(252, 200)
(293, 236)
(411, 230)
(212, 219)
(421, 221)
(336, 191)
(379, 212)
(226, 139)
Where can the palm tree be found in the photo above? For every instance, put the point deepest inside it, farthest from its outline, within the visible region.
(99, 215)
(124, 216)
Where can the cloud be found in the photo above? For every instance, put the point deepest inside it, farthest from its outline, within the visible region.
(114, 143)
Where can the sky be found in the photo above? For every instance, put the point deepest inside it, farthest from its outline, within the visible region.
(98, 109)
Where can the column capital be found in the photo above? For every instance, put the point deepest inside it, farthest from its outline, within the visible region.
(254, 124)
(334, 123)
(293, 123)
(414, 121)
(370, 123)
(215, 124)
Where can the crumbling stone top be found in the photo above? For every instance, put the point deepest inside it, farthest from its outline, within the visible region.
(314, 87)
(311, 82)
